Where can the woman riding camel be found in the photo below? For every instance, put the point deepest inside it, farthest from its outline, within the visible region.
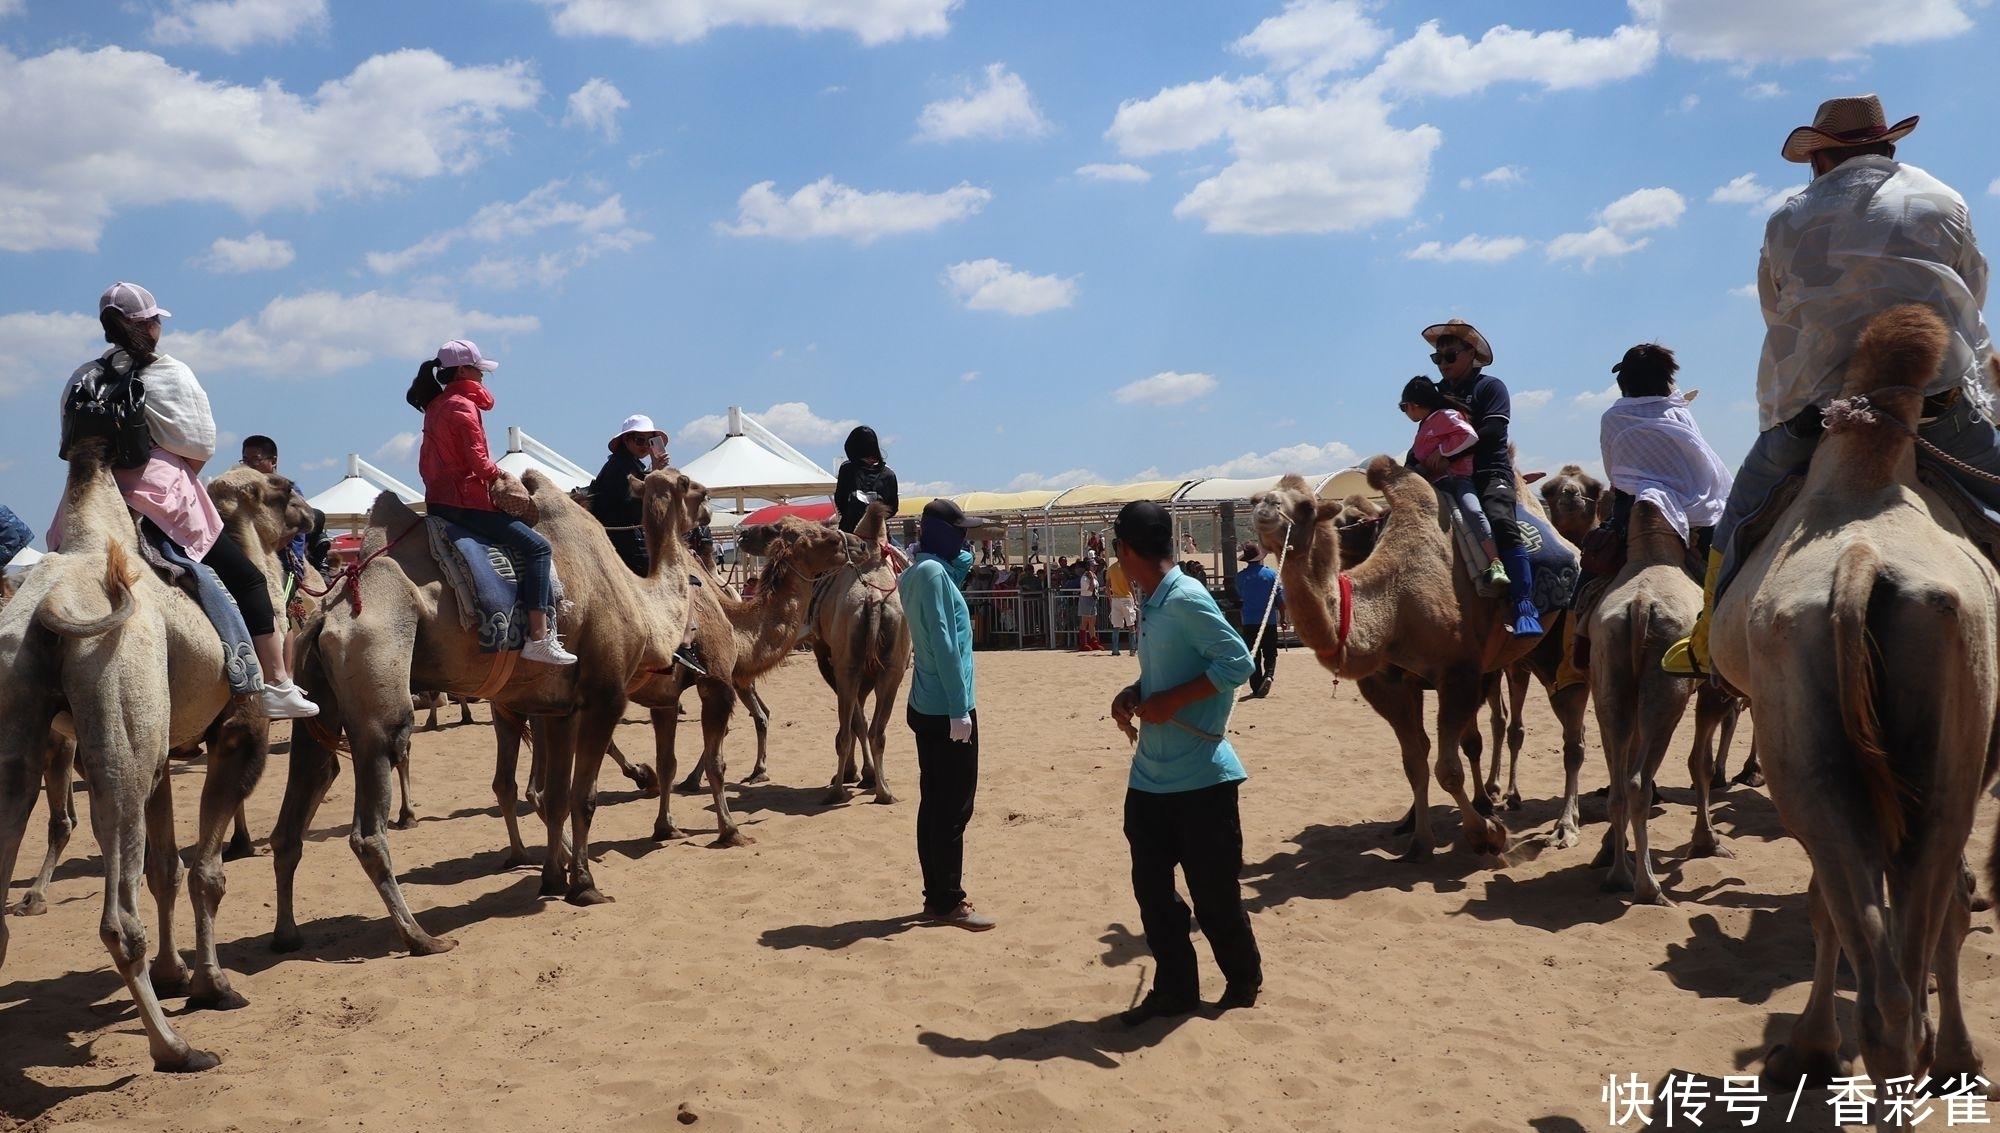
(464, 486)
(166, 493)
(611, 498)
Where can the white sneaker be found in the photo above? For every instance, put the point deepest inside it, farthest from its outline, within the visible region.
(547, 650)
(284, 702)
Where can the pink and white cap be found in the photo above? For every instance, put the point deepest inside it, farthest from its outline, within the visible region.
(131, 300)
(464, 352)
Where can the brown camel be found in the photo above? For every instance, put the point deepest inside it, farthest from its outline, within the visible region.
(862, 645)
(137, 669)
(1411, 618)
(1648, 605)
(363, 658)
(1865, 630)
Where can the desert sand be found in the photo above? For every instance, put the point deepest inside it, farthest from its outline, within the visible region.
(785, 986)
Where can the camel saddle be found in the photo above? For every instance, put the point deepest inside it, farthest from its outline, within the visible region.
(178, 569)
(1555, 565)
(485, 580)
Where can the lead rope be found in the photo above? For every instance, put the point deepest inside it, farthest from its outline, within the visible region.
(1263, 625)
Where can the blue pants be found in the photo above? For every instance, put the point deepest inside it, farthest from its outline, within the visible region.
(530, 548)
(1785, 451)
(1465, 500)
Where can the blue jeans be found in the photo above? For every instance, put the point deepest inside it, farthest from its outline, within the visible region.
(531, 550)
(1786, 450)
(1465, 501)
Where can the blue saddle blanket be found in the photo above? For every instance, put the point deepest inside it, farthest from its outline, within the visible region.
(486, 581)
(239, 656)
(1555, 566)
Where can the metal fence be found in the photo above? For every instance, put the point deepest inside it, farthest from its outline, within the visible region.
(1042, 619)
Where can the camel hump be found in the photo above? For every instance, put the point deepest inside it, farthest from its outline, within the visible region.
(1405, 491)
(1902, 346)
(1855, 574)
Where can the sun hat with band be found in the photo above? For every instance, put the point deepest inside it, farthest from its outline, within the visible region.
(132, 301)
(1852, 121)
(1482, 354)
(637, 423)
(464, 352)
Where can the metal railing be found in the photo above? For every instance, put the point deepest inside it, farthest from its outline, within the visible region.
(1043, 619)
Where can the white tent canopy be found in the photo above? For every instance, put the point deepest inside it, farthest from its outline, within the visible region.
(347, 503)
(525, 453)
(752, 463)
(22, 562)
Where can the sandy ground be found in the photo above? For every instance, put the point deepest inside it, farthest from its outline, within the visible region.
(785, 987)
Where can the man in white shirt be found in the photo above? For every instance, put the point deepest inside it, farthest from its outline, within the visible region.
(1868, 233)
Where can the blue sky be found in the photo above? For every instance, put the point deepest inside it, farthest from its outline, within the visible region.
(1033, 244)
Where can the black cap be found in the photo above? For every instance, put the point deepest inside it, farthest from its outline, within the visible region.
(1250, 552)
(1144, 523)
(1641, 353)
(949, 512)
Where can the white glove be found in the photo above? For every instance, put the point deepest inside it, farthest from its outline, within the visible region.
(961, 729)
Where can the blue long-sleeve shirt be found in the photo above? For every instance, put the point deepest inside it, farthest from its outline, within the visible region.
(14, 535)
(1183, 635)
(940, 638)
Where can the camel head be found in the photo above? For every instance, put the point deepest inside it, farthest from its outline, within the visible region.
(1571, 497)
(1287, 514)
(809, 549)
(265, 502)
(1359, 522)
(873, 524)
(669, 504)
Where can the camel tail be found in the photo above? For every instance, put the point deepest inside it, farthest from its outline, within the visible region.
(119, 576)
(1855, 671)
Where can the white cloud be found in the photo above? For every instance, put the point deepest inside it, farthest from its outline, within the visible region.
(1166, 388)
(1618, 226)
(12, 8)
(394, 119)
(1764, 90)
(1036, 482)
(1781, 30)
(400, 448)
(1747, 291)
(681, 21)
(969, 376)
(1469, 249)
(323, 332)
(594, 106)
(1599, 399)
(1747, 190)
(1124, 171)
(1328, 457)
(828, 208)
(794, 421)
(1689, 102)
(1431, 62)
(595, 228)
(232, 25)
(1533, 398)
(931, 488)
(1184, 117)
(320, 465)
(255, 252)
(42, 348)
(1002, 108)
(991, 285)
(1312, 39)
(1504, 177)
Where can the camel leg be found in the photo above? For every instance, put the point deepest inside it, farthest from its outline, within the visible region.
(1458, 704)
(556, 737)
(843, 745)
(1885, 1005)
(1955, 1054)
(24, 757)
(642, 775)
(164, 872)
(313, 768)
(237, 748)
(593, 730)
(1713, 710)
(378, 744)
(1752, 774)
(239, 845)
(760, 715)
(1572, 706)
(1617, 726)
(666, 729)
(1813, 1051)
(406, 818)
(718, 700)
(1401, 703)
(1496, 719)
(1657, 719)
(506, 791)
(878, 735)
(1519, 680)
(59, 785)
(692, 784)
(465, 712)
(1725, 735)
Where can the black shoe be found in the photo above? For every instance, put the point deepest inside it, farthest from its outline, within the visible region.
(1237, 995)
(1158, 1006)
(684, 657)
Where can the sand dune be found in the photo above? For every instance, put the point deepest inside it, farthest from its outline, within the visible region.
(785, 986)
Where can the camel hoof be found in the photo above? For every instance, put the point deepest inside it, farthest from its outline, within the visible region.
(1658, 898)
(432, 945)
(1418, 852)
(885, 798)
(1749, 779)
(691, 785)
(1981, 903)
(732, 839)
(282, 941)
(1565, 838)
(1408, 825)
(588, 896)
(404, 821)
(237, 851)
(668, 833)
(227, 999)
(647, 780)
(169, 985)
(1617, 883)
(835, 795)
(1711, 850)
(1783, 1067)
(514, 861)
(32, 905)
(1513, 800)
(194, 1062)
(552, 886)
(757, 777)
(1492, 839)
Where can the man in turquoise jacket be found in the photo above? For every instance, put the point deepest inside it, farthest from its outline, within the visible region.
(941, 711)
(1180, 801)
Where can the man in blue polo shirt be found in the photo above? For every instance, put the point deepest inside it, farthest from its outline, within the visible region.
(1256, 586)
(1180, 800)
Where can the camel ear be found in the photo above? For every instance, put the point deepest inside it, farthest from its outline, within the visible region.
(1531, 477)
(1691, 395)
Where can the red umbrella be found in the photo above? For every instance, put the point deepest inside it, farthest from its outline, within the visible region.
(811, 513)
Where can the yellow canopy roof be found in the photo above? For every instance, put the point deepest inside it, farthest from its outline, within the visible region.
(912, 507)
(1099, 495)
(989, 503)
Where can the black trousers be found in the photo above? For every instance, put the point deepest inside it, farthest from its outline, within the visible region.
(1200, 832)
(1266, 656)
(1496, 496)
(947, 780)
(245, 583)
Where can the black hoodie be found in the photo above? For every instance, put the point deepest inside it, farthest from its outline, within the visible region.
(858, 475)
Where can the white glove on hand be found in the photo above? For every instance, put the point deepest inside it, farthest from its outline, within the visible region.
(961, 729)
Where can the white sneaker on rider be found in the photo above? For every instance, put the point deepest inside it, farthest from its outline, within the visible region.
(284, 702)
(548, 650)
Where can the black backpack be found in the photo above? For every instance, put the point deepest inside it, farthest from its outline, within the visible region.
(109, 401)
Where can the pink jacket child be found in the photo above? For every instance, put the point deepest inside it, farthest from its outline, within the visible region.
(1446, 433)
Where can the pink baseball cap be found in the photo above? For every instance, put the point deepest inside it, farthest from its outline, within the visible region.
(131, 300)
(458, 352)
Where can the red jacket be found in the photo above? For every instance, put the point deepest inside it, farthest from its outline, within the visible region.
(454, 463)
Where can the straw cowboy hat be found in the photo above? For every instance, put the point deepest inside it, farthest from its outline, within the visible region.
(1856, 121)
(636, 423)
(1465, 332)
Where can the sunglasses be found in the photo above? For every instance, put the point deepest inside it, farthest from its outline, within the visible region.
(1445, 357)
(1404, 404)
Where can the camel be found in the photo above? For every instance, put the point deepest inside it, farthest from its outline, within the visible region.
(1864, 629)
(1648, 605)
(1409, 618)
(862, 645)
(396, 626)
(137, 669)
